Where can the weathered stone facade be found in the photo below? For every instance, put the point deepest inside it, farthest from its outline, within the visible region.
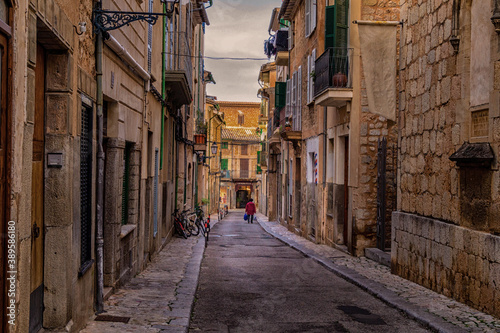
(445, 235)
(243, 142)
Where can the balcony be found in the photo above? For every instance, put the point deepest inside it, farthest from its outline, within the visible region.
(239, 175)
(282, 47)
(292, 129)
(333, 79)
(179, 72)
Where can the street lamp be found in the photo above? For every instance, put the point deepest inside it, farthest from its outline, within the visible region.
(213, 149)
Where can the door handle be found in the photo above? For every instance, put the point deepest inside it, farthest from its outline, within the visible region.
(36, 231)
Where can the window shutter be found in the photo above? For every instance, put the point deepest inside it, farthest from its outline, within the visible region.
(258, 157)
(309, 79)
(312, 59)
(313, 15)
(280, 100)
(223, 164)
(298, 120)
(294, 98)
(290, 36)
(308, 17)
(341, 23)
(288, 97)
(329, 26)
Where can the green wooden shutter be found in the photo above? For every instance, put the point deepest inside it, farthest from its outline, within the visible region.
(223, 164)
(329, 27)
(258, 157)
(280, 100)
(341, 23)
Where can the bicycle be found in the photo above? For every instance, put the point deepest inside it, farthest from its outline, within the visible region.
(179, 223)
(192, 226)
(203, 225)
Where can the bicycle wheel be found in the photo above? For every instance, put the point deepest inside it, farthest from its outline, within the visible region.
(185, 224)
(180, 230)
(193, 228)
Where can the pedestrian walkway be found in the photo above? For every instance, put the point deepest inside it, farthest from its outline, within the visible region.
(160, 298)
(435, 310)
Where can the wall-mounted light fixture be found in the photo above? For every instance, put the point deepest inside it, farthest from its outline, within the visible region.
(83, 28)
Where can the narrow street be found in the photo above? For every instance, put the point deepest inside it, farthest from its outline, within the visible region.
(252, 282)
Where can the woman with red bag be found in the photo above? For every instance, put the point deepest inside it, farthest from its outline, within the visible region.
(250, 210)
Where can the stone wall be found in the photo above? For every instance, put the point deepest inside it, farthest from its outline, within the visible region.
(250, 110)
(455, 261)
(446, 231)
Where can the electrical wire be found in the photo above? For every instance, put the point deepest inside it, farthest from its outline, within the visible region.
(219, 58)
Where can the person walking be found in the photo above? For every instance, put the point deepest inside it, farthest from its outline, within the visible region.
(250, 210)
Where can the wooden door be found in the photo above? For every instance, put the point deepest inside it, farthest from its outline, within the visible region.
(3, 168)
(244, 168)
(346, 189)
(37, 194)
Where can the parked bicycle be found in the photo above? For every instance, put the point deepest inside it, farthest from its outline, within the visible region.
(180, 224)
(202, 223)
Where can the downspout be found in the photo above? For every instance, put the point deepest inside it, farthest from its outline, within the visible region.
(163, 87)
(325, 141)
(100, 175)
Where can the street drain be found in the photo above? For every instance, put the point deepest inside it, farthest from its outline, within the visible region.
(362, 315)
(115, 319)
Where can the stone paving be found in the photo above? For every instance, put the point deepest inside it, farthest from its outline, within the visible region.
(378, 277)
(160, 298)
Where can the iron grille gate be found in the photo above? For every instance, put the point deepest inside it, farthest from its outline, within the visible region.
(155, 196)
(86, 185)
(381, 183)
(386, 191)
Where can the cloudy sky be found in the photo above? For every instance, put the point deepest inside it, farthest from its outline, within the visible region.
(237, 28)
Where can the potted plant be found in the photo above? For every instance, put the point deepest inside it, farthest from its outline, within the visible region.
(288, 125)
(201, 132)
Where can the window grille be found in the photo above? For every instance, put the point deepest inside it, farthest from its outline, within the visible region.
(86, 185)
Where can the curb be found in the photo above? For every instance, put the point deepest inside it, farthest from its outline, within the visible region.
(376, 289)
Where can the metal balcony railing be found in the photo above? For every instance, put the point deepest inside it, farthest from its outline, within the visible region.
(179, 57)
(333, 69)
(239, 174)
(294, 114)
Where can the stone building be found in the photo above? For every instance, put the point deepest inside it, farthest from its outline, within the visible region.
(49, 145)
(330, 125)
(241, 146)
(446, 228)
(47, 148)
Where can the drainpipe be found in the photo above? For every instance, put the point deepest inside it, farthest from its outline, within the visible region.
(100, 176)
(163, 87)
(325, 141)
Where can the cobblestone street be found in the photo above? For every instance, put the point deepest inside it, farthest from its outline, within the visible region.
(160, 299)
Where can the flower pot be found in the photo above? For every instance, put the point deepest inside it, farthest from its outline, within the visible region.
(339, 80)
(200, 138)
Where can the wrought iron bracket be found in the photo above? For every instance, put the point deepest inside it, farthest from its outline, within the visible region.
(495, 19)
(106, 20)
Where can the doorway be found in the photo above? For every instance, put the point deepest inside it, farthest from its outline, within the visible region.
(4, 119)
(37, 195)
(346, 190)
(241, 198)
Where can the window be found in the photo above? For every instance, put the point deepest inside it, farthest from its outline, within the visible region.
(290, 188)
(280, 100)
(241, 118)
(296, 100)
(244, 150)
(224, 145)
(311, 63)
(224, 164)
(86, 186)
(290, 36)
(126, 182)
(310, 16)
(337, 24)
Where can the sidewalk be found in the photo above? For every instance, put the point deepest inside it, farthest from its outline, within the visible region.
(437, 311)
(160, 298)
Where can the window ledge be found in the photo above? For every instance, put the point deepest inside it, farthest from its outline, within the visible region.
(127, 229)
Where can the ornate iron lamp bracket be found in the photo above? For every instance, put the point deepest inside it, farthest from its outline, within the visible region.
(495, 19)
(106, 20)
